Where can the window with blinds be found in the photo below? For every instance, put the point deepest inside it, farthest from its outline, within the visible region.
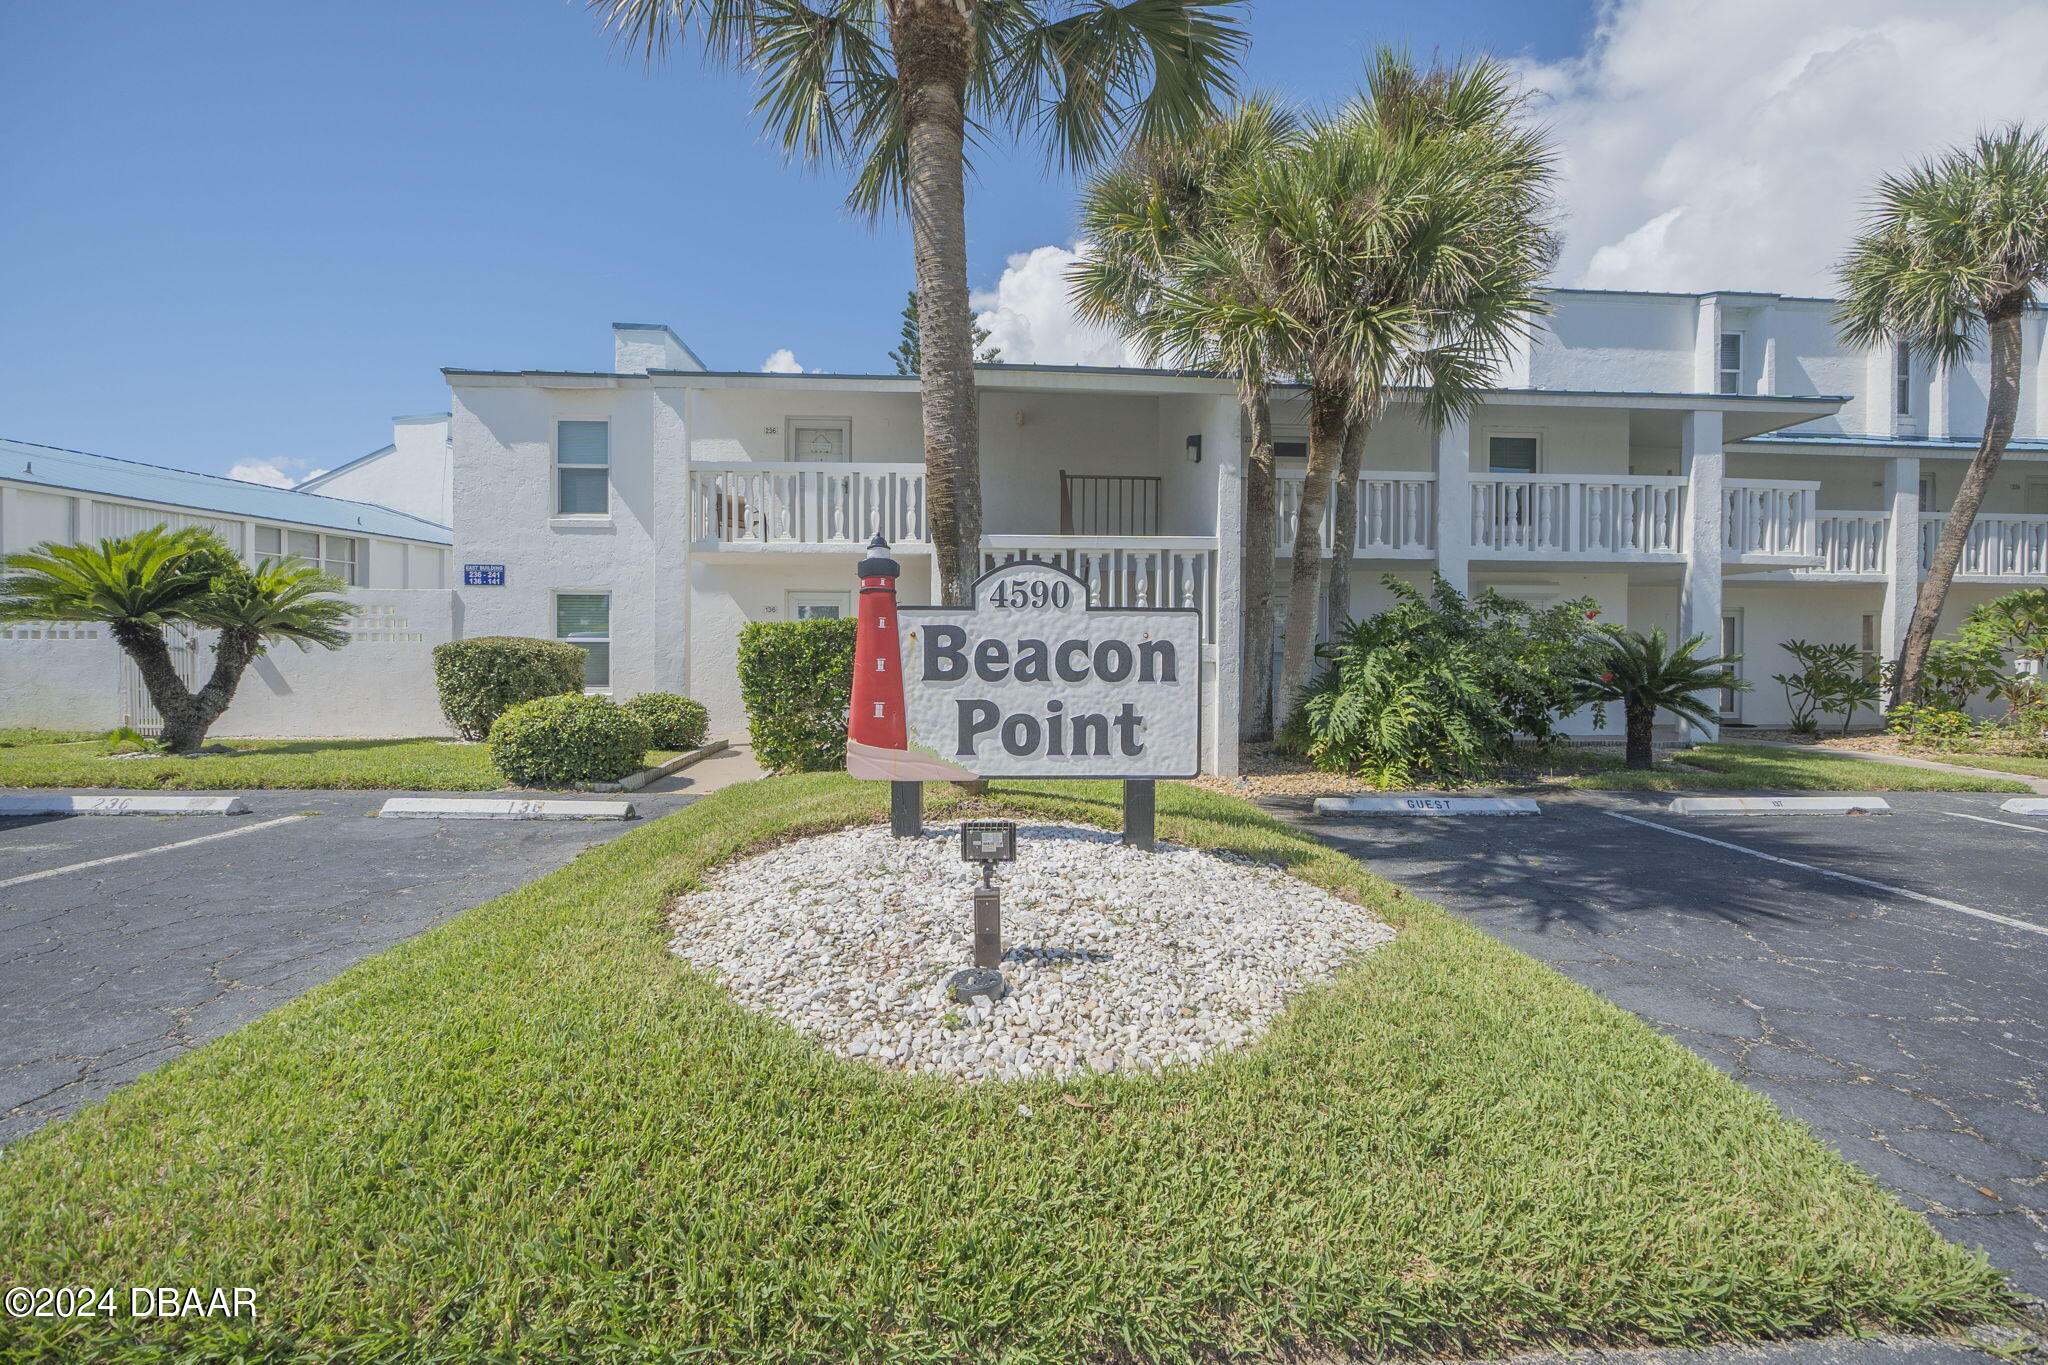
(584, 619)
(1902, 381)
(341, 556)
(583, 459)
(1511, 454)
(1731, 362)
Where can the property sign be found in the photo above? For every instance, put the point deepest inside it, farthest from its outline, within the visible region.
(483, 575)
(1030, 681)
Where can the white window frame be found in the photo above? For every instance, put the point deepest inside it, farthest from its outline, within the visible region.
(556, 467)
(1725, 379)
(321, 558)
(1525, 434)
(1292, 434)
(2030, 488)
(797, 598)
(790, 424)
(1902, 380)
(555, 630)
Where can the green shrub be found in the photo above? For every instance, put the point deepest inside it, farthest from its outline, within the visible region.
(672, 721)
(796, 678)
(1933, 726)
(1837, 679)
(1430, 689)
(478, 679)
(553, 741)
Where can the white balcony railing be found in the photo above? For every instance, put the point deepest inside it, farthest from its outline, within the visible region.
(1124, 571)
(1396, 515)
(807, 504)
(1766, 520)
(1539, 516)
(2001, 545)
(1850, 543)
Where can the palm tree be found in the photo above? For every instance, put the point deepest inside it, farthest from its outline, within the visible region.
(1952, 249)
(897, 87)
(137, 585)
(1645, 675)
(1383, 251)
(1137, 215)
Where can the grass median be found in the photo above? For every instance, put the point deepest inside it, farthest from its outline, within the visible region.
(533, 1133)
(1755, 767)
(360, 764)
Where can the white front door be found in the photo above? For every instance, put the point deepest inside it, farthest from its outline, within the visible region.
(2037, 497)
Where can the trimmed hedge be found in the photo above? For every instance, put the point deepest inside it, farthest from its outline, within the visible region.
(672, 721)
(796, 678)
(478, 679)
(553, 741)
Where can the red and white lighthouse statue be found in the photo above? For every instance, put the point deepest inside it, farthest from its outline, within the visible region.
(877, 730)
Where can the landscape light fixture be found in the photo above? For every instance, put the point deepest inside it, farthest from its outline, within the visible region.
(987, 842)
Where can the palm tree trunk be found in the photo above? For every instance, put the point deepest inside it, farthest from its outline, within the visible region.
(181, 712)
(1326, 412)
(1260, 497)
(934, 48)
(1344, 537)
(2001, 410)
(1641, 718)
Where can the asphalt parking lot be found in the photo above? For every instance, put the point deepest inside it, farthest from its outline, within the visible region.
(1910, 1033)
(114, 965)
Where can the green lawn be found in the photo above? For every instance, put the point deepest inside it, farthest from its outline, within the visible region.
(10, 739)
(1751, 767)
(371, 764)
(536, 1134)
(1998, 763)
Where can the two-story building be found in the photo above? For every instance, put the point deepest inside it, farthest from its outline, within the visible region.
(1716, 464)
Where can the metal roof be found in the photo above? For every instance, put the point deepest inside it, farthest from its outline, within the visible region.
(1962, 445)
(76, 471)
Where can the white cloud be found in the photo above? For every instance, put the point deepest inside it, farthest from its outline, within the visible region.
(279, 473)
(1732, 146)
(781, 361)
(1030, 321)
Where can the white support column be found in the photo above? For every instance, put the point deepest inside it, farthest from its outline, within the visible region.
(1767, 375)
(1937, 401)
(1699, 595)
(1223, 442)
(1706, 346)
(1454, 503)
(1902, 553)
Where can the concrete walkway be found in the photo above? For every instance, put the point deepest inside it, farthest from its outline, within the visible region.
(732, 764)
(2038, 784)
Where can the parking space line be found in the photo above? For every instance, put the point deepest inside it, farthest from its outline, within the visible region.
(1965, 815)
(145, 852)
(1970, 910)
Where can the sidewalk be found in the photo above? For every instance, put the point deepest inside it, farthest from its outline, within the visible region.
(2038, 784)
(732, 764)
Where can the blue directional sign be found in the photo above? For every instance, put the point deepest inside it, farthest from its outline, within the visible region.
(483, 575)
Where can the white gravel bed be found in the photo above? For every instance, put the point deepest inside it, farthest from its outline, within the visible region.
(1117, 960)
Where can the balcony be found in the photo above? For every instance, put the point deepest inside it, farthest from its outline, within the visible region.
(761, 506)
(1396, 515)
(1766, 522)
(2003, 546)
(1124, 571)
(1611, 518)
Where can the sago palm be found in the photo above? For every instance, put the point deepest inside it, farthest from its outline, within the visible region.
(1379, 253)
(897, 88)
(1953, 249)
(137, 585)
(1137, 214)
(1645, 675)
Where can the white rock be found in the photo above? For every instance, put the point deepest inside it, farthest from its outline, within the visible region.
(1117, 960)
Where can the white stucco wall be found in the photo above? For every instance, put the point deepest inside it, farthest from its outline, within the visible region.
(412, 475)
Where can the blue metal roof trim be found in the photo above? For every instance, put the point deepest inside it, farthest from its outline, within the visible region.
(1836, 438)
(78, 471)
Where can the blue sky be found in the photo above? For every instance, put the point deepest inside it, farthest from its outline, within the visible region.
(236, 231)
